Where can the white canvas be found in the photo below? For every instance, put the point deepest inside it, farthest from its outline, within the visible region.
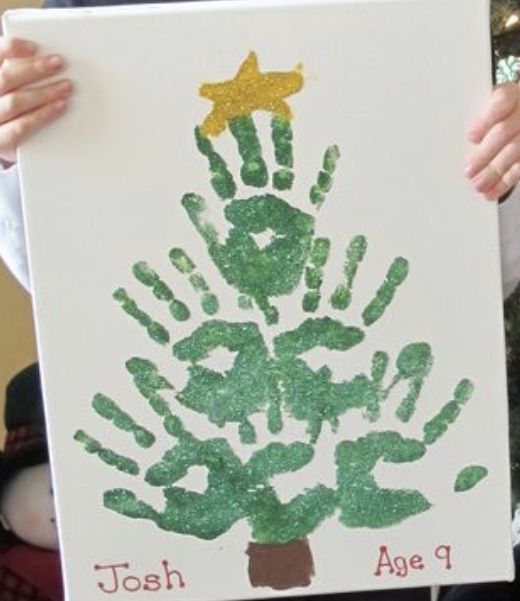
(288, 442)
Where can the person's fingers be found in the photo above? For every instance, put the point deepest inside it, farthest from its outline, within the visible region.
(496, 139)
(504, 101)
(16, 131)
(496, 169)
(20, 73)
(508, 181)
(16, 48)
(25, 100)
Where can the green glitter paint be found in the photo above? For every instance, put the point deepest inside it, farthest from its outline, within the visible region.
(248, 387)
(379, 366)
(373, 390)
(125, 502)
(146, 377)
(395, 276)
(437, 426)
(324, 331)
(149, 382)
(413, 364)
(282, 135)
(182, 262)
(120, 462)
(147, 276)
(221, 179)
(156, 331)
(259, 273)
(469, 477)
(283, 179)
(235, 491)
(361, 501)
(198, 282)
(272, 520)
(254, 169)
(195, 207)
(314, 273)
(108, 409)
(312, 396)
(354, 254)
(318, 192)
(274, 382)
(247, 432)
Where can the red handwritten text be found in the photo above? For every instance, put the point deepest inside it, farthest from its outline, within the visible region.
(119, 577)
(401, 566)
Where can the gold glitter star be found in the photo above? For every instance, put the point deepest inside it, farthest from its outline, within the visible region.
(250, 90)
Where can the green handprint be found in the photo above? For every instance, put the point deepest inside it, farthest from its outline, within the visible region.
(235, 489)
(313, 397)
(269, 374)
(361, 501)
(248, 387)
(257, 272)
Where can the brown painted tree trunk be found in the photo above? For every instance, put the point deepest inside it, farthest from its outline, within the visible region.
(280, 566)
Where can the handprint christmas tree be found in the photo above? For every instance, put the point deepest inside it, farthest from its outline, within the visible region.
(270, 382)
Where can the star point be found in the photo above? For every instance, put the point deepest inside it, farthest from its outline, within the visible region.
(250, 90)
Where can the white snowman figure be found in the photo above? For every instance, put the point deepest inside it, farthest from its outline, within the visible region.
(29, 557)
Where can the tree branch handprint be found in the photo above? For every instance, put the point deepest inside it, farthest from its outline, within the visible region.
(269, 382)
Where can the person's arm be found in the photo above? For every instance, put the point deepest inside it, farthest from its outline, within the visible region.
(27, 104)
(13, 248)
(509, 221)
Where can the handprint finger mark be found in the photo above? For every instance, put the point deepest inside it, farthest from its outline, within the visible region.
(323, 185)
(120, 462)
(110, 410)
(413, 364)
(182, 262)
(438, 425)
(395, 276)
(282, 136)
(149, 278)
(354, 255)
(221, 179)
(314, 274)
(254, 170)
(156, 331)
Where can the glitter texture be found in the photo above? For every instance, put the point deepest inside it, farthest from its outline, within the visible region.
(157, 332)
(249, 91)
(182, 262)
(270, 382)
(469, 477)
(362, 502)
(247, 388)
(107, 408)
(120, 462)
(354, 254)
(147, 276)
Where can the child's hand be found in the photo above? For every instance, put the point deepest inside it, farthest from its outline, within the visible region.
(493, 167)
(24, 107)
